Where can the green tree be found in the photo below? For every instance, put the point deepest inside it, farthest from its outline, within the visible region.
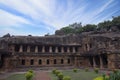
(68, 30)
(116, 21)
(89, 27)
(105, 25)
(79, 30)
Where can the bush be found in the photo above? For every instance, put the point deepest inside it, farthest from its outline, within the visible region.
(31, 71)
(54, 71)
(86, 69)
(66, 78)
(98, 78)
(114, 76)
(96, 70)
(60, 76)
(106, 78)
(57, 72)
(29, 75)
(103, 77)
(115, 70)
(75, 70)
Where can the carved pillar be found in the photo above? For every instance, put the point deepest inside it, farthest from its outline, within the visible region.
(28, 48)
(68, 49)
(94, 63)
(111, 61)
(75, 62)
(85, 47)
(101, 63)
(56, 49)
(43, 49)
(50, 49)
(88, 47)
(21, 48)
(6, 63)
(36, 49)
(13, 48)
(62, 49)
(73, 49)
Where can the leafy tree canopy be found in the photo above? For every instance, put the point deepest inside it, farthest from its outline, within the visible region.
(106, 25)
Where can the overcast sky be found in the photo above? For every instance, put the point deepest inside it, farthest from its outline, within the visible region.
(38, 17)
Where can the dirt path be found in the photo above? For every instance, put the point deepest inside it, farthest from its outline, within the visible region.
(40, 75)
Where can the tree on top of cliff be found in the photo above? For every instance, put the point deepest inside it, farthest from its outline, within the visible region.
(113, 25)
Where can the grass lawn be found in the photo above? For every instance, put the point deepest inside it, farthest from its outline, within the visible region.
(80, 75)
(16, 77)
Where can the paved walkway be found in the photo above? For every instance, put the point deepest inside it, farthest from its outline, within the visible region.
(41, 75)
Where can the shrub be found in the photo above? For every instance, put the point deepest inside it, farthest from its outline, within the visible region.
(60, 76)
(57, 72)
(106, 78)
(115, 70)
(86, 69)
(114, 76)
(98, 78)
(96, 70)
(75, 70)
(103, 77)
(54, 71)
(31, 71)
(66, 78)
(29, 75)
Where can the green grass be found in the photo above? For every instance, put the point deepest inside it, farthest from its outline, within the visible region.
(16, 77)
(80, 75)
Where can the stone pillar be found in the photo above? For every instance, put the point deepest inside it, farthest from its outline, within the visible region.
(68, 49)
(36, 49)
(56, 49)
(43, 49)
(27, 61)
(7, 63)
(13, 48)
(62, 49)
(50, 49)
(75, 62)
(28, 48)
(111, 61)
(65, 61)
(88, 47)
(94, 62)
(101, 63)
(36, 62)
(51, 61)
(73, 49)
(21, 48)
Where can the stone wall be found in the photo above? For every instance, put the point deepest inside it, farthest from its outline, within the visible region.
(83, 50)
(42, 61)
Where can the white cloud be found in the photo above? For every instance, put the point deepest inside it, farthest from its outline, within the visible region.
(7, 19)
(20, 6)
(104, 6)
(45, 11)
(91, 17)
(50, 12)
